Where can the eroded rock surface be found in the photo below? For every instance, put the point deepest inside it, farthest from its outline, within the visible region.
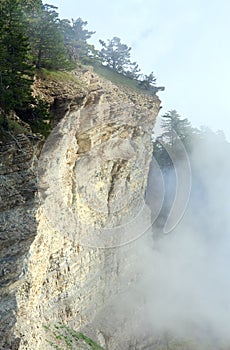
(18, 163)
(66, 265)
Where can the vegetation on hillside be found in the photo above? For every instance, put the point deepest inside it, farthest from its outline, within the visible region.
(175, 129)
(32, 38)
(62, 337)
(180, 145)
(16, 72)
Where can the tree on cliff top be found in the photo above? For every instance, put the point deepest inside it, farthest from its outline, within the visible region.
(75, 39)
(47, 39)
(147, 81)
(116, 56)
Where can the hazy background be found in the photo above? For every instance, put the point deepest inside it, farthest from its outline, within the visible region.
(183, 278)
(185, 43)
(185, 275)
(189, 283)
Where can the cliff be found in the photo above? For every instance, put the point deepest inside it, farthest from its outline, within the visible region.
(71, 213)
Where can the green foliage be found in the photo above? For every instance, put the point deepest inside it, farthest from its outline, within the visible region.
(4, 122)
(147, 81)
(33, 39)
(174, 130)
(75, 39)
(9, 127)
(46, 39)
(31, 5)
(116, 55)
(133, 72)
(38, 117)
(56, 75)
(175, 127)
(12, 126)
(117, 78)
(123, 80)
(15, 71)
(62, 337)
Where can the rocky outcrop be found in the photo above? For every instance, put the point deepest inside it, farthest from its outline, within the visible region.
(66, 265)
(18, 162)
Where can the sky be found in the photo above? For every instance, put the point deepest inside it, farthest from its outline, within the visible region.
(184, 42)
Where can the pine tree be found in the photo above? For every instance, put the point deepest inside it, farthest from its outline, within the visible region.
(147, 81)
(133, 72)
(75, 39)
(174, 131)
(46, 39)
(116, 55)
(175, 127)
(15, 70)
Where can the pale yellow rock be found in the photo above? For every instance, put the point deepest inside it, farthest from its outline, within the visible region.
(92, 176)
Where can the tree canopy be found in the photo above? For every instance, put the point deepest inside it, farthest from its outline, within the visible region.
(175, 129)
(33, 37)
(16, 73)
(46, 38)
(75, 39)
(116, 56)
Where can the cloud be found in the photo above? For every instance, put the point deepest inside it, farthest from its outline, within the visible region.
(176, 287)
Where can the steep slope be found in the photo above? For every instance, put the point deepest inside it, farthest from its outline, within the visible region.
(89, 209)
(18, 160)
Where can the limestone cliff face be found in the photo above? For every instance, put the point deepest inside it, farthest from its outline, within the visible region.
(18, 161)
(66, 265)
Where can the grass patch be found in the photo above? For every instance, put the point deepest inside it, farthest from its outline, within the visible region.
(62, 337)
(120, 79)
(104, 72)
(57, 75)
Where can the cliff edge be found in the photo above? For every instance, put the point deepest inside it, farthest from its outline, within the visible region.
(71, 211)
